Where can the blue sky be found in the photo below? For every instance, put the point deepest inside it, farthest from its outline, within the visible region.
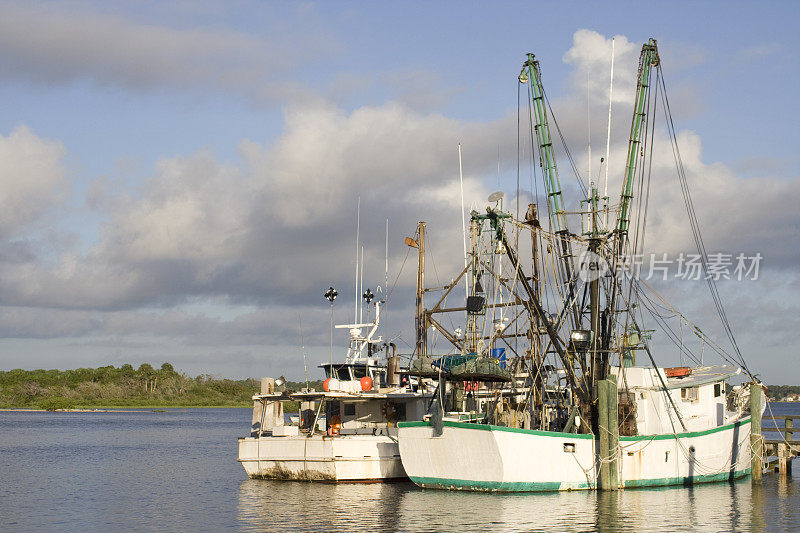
(192, 155)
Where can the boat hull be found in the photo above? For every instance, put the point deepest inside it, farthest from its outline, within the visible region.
(494, 458)
(353, 459)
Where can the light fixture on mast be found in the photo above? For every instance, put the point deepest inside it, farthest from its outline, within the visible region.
(331, 295)
(368, 296)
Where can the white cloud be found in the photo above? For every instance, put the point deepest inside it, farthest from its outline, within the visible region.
(591, 52)
(33, 179)
(277, 223)
(276, 226)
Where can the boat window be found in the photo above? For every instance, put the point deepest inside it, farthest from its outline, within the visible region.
(689, 394)
(337, 373)
(359, 372)
(717, 389)
(349, 409)
(400, 409)
(569, 447)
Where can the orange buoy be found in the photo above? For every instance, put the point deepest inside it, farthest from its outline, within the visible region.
(326, 385)
(366, 383)
(678, 371)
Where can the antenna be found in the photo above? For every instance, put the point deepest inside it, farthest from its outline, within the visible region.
(608, 133)
(360, 287)
(498, 165)
(303, 348)
(358, 228)
(589, 129)
(463, 223)
(386, 280)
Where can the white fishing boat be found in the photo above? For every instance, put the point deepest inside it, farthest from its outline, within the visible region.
(344, 433)
(591, 418)
(715, 446)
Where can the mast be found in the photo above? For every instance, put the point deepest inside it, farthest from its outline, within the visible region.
(421, 322)
(647, 60)
(598, 368)
(533, 304)
(537, 358)
(477, 290)
(547, 159)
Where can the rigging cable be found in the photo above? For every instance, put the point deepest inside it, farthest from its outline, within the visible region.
(566, 149)
(695, 225)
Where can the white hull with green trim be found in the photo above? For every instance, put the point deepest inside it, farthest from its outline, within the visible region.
(483, 457)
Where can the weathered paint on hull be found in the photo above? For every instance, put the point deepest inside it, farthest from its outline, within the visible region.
(465, 484)
(366, 459)
(492, 458)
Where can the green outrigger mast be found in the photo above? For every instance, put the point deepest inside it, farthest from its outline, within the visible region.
(647, 60)
(547, 158)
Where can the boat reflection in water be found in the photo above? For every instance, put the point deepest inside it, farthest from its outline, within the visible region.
(267, 505)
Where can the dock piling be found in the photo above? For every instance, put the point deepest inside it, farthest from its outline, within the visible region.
(608, 429)
(613, 434)
(756, 439)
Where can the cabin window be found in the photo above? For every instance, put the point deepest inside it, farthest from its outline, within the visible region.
(400, 409)
(359, 372)
(569, 447)
(689, 394)
(717, 389)
(349, 409)
(337, 373)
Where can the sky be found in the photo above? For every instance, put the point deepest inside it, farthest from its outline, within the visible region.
(179, 181)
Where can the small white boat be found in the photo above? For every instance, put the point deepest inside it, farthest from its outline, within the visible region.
(345, 433)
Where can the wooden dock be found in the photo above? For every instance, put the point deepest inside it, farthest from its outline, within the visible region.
(779, 443)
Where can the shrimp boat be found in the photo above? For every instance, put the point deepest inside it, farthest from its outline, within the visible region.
(572, 407)
(344, 433)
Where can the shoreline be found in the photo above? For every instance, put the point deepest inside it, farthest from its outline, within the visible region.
(119, 409)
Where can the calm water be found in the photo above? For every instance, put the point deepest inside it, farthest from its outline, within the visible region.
(177, 471)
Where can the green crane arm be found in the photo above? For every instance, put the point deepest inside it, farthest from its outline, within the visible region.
(547, 158)
(555, 202)
(647, 60)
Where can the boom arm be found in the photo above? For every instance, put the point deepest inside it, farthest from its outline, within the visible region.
(555, 202)
(547, 157)
(647, 60)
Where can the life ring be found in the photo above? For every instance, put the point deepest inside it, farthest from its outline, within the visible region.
(335, 425)
(389, 410)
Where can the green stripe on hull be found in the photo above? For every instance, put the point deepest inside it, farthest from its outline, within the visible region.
(497, 486)
(552, 486)
(707, 478)
(660, 436)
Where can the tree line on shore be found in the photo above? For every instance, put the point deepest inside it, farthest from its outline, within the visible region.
(779, 392)
(146, 386)
(124, 386)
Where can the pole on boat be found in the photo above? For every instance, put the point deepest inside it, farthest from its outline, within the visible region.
(756, 438)
(421, 318)
(330, 295)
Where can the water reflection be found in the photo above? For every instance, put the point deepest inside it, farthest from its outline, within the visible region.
(403, 507)
(176, 471)
(298, 506)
